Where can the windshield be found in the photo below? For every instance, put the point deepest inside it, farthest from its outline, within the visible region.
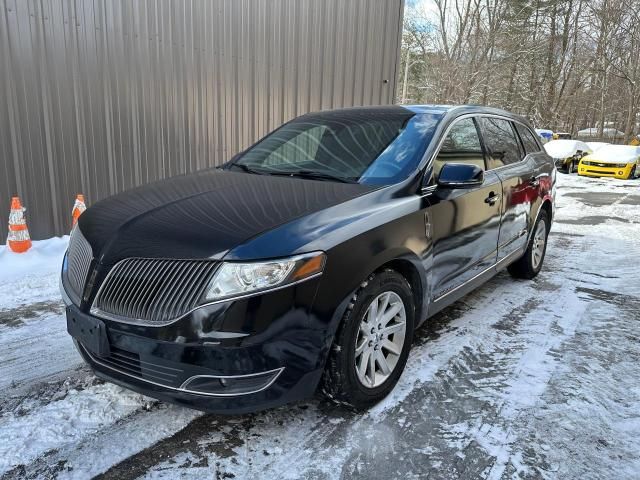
(372, 145)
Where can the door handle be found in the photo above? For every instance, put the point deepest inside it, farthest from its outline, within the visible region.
(492, 199)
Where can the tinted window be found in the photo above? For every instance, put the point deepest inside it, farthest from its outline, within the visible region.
(501, 143)
(372, 146)
(461, 145)
(528, 139)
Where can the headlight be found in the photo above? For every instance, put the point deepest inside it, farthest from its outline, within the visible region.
(235, 279)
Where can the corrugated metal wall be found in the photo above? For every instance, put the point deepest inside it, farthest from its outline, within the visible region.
(99, 96)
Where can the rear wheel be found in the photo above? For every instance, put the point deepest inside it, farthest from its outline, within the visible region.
(372, 344)
(530, 264)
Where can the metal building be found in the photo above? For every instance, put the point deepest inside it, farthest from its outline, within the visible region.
(98, 96)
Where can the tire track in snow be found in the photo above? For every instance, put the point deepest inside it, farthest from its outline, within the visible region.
(590, 408)
(96, 451)
(64, 422)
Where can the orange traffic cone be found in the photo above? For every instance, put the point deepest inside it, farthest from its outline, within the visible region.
(18, 240)
(78, 207)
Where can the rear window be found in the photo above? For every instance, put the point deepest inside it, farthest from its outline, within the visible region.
(528, 139)
(500, 141)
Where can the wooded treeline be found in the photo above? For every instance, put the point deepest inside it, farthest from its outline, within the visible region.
(564, 64)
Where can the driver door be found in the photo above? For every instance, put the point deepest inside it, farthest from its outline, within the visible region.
(465, 220)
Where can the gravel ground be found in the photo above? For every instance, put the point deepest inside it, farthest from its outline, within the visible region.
(520, 379)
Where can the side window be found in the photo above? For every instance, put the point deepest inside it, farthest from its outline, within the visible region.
(461, 145)
(503, 147)
(528, 139)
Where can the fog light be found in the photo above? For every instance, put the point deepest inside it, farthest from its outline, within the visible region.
(229, 385)
(620, 172)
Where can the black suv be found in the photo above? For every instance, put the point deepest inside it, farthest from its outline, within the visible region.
(307, 260)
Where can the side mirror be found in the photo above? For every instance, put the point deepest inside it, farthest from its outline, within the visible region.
(460, 175)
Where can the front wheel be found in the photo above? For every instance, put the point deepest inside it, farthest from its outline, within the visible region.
(372, 343)
(530, 264)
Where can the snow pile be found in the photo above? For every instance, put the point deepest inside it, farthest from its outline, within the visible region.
(565, 148)
(31, 277)
(44, 257)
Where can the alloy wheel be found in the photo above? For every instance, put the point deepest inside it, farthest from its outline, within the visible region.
(380, 339)
(539, 241)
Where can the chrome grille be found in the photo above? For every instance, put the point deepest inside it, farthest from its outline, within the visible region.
(604, 165)
(79, 258)
(152, 291)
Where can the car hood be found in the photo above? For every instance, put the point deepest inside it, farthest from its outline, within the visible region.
(615, 154)
(204, 214)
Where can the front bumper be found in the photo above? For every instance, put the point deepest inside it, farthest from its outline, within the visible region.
(233, 357)
(599, 171)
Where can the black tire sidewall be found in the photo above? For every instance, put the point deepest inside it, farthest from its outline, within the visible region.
(380, 283)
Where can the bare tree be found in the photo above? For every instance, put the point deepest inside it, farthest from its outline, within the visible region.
(566, 64)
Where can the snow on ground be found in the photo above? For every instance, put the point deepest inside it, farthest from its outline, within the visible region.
(39, 348)
(31, 277)
(519, 379)
(25, 437)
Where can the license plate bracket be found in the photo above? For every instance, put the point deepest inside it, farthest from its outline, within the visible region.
(90, 332)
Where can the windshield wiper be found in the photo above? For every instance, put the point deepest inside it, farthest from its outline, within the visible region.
(315, 176)
(246, 169)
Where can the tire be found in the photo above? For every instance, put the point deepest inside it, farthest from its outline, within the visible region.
(530, 264)
(341, 381)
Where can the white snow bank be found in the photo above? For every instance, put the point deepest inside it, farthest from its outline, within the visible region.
(44, 257)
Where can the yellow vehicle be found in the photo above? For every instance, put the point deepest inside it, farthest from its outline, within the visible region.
(561, 136)
(617, 161)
